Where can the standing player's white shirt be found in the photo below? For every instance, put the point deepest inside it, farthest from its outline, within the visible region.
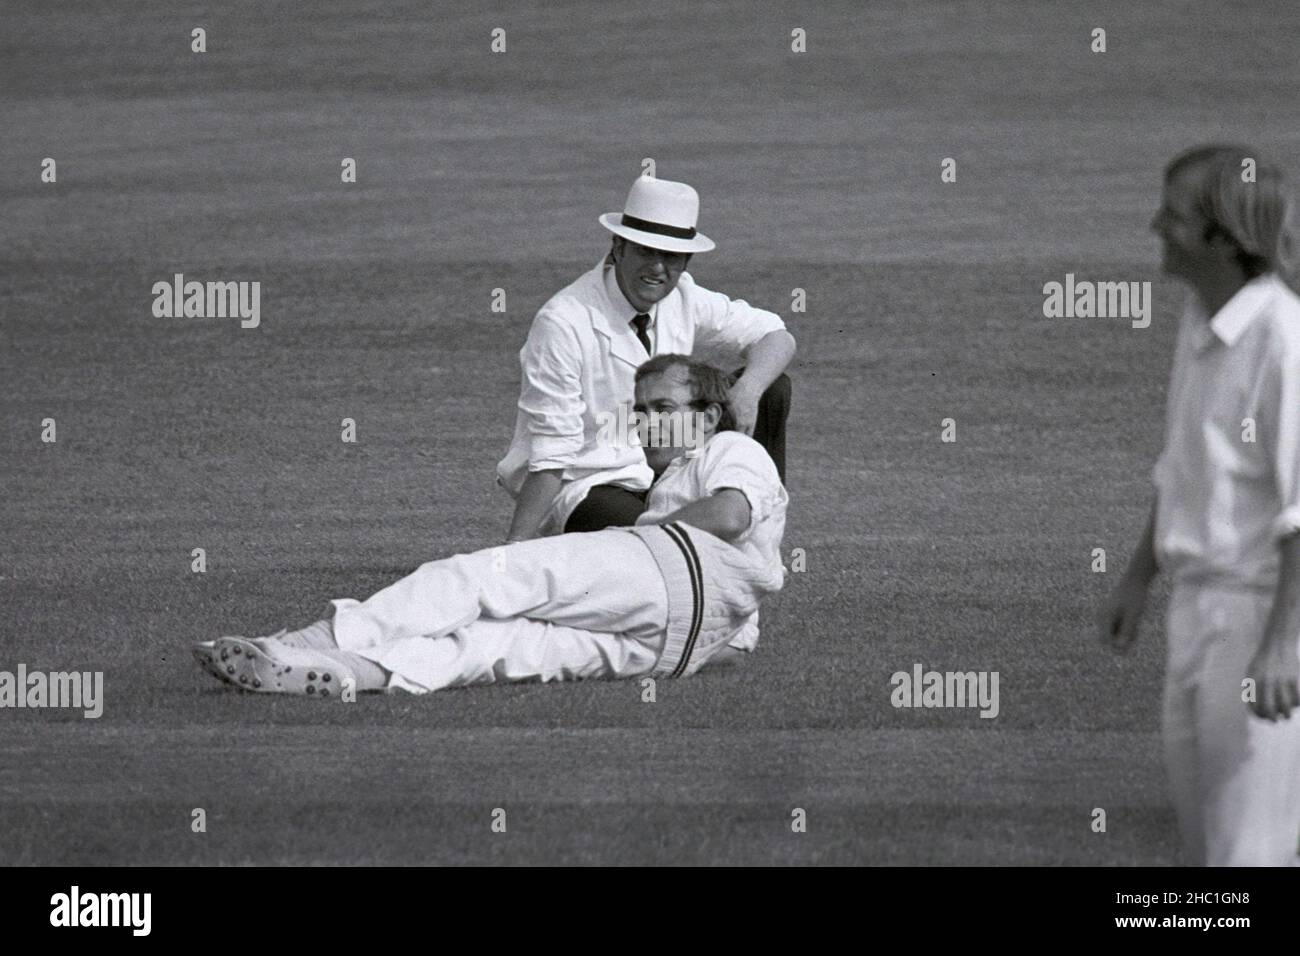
(729, 460)
(579, 363)
(1227, 493)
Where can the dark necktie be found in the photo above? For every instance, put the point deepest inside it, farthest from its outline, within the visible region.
(639, 322)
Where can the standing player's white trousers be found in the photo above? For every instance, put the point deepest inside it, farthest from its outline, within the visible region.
(1235, 777)
(567, 607)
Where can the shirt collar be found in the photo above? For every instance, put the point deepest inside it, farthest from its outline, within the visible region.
(1235, 316)
(623, 310)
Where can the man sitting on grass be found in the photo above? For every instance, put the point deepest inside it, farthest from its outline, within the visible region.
(679, 589)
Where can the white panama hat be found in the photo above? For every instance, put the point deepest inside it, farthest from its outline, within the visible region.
(660, 214)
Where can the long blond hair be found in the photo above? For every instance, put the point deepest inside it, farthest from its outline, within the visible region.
(1255, 213)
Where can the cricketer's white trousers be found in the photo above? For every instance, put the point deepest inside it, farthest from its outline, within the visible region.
(569, 607)
(1235, 777)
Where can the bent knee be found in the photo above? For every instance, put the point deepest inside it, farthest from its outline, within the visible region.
(777, 396)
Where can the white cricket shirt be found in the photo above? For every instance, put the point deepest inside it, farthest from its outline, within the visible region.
(728, 460)
(1228, 480)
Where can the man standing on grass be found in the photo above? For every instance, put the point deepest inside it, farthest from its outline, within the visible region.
(1226, 519)
(588, 340)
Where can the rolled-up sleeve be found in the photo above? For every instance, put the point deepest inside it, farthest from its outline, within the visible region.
(749, 470)
(725, 326)
(1282, 437)
(551, 395)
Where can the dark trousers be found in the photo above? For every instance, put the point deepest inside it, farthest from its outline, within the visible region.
(608, 506)
(769, 427)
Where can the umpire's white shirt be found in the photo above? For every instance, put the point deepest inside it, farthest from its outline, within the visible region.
(580, 361)
(1224, 500)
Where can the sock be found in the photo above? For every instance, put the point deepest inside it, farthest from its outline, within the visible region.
(318, 636)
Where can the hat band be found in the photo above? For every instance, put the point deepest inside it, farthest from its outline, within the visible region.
(658, 228)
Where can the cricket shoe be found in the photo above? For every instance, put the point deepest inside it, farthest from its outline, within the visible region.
(269, 667)
(205, 652)
(208, 657)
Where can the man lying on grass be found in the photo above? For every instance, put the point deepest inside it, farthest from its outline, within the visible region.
(679, 589)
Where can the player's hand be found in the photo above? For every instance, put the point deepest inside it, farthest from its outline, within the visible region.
(1121, 614)
(1275, 669)
(744, 405)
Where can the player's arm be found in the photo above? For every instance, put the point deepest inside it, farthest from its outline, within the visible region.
(1142, 567)
(734, 328)
(764, 361)
(724, 514)
(1275, 668)
(1121, 615)
(535, 498)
